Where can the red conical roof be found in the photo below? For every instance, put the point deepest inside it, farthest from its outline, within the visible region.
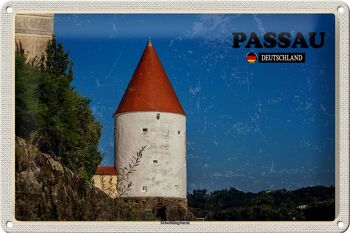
(149, 88)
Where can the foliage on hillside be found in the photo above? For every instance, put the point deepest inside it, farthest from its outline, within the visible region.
(310, 203)
(50, 110)
(48, 191)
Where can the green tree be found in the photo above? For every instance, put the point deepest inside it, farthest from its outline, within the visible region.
(56, 61)
(26, 83)
(231, 204)
(47, 103)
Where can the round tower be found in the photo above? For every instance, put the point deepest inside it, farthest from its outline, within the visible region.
(151, 115)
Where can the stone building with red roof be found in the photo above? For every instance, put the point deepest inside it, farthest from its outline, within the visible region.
(105, 178)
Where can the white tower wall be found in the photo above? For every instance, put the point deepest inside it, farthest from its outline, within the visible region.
(162, 171)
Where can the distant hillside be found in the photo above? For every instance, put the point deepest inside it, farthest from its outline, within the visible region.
(48, 191)
(309, 203)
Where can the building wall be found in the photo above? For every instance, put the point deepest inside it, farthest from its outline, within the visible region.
(33, 31)
(107, 183)
(162, 171)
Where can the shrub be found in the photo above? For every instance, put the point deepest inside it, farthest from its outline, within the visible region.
(47, 103)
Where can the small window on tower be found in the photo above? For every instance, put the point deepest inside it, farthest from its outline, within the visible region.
(144, 129)
(144, 188)
(158, 116)
(176, 187)
(178, 132)
(155, 161)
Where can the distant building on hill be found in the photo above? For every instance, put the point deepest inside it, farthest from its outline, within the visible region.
(33, 31)
(105, 178)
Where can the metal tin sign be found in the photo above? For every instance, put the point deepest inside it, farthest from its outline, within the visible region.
(174, 116)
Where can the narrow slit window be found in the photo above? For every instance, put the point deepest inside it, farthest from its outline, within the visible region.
(144, 188)
(179, 132)
(158, 116)
(144, 129)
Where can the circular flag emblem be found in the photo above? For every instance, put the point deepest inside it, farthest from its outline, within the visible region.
(251, 57)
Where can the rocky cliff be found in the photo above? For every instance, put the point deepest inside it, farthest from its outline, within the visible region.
(47, 191)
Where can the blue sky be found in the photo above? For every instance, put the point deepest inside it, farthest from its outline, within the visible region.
(249, 126)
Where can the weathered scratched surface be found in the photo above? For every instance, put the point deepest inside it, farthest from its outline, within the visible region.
(162, 171)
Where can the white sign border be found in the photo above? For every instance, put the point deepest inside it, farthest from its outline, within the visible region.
(7, 110)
